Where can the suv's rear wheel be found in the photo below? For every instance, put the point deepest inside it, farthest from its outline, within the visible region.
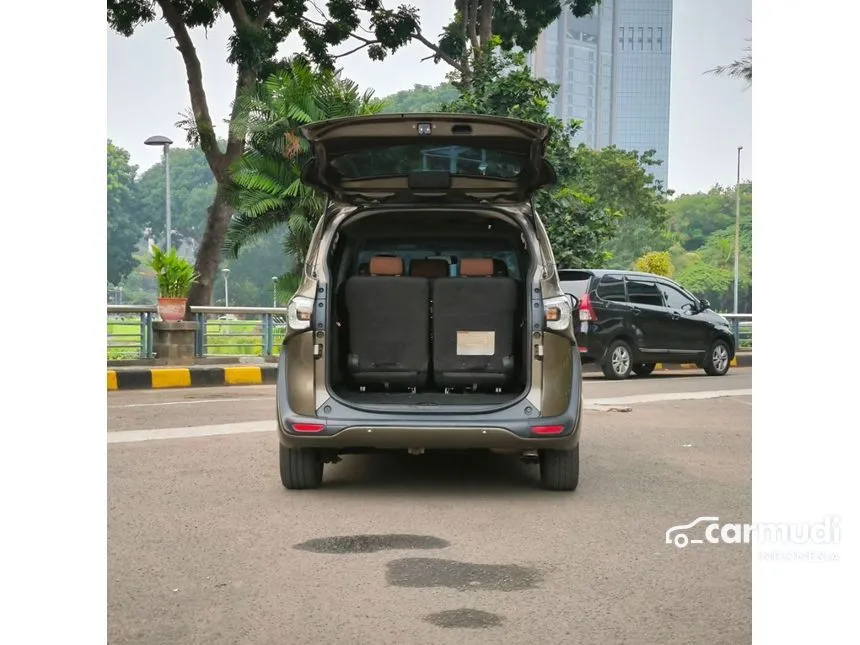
(618, 362)
(717, 359)
(559, 469)
(301, 468)
(644, 369)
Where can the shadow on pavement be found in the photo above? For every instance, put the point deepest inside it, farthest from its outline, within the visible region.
(454, 473)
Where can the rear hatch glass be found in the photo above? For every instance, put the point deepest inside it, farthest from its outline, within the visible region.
(575, 282)
(409, 157)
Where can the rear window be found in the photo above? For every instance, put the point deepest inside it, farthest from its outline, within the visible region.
(611, 288)
(574, 282)
(405, 159)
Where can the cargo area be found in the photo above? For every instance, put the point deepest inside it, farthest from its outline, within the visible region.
(429, 308)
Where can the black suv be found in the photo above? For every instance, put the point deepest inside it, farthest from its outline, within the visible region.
(630, 321)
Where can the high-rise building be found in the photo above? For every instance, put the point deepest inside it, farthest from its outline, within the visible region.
(613, 68)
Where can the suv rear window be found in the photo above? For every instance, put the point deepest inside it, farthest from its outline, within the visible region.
(611, 288)
(575, 282)
(406, 159)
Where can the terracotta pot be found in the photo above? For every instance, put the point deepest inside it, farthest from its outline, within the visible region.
(172, 309)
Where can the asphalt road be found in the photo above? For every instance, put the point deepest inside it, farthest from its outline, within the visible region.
(205, 546)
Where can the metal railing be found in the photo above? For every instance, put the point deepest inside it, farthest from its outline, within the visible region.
(252, 331)
(221, 331)
(742, 329)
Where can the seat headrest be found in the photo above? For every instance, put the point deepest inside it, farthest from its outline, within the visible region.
(476, 267)
(428, 268)
(385, 265)
(500, 268)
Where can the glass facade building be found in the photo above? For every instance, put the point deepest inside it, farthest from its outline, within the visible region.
(613, 68)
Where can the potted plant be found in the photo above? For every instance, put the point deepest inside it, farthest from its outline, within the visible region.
(174, 276)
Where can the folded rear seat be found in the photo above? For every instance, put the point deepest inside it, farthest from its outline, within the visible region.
(473, 326)
(388, 325)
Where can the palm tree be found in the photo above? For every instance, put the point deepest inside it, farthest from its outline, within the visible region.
(741, 68)
(267, 191)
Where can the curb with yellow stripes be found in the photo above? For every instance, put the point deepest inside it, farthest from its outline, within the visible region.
(201, 376)
(196, 376)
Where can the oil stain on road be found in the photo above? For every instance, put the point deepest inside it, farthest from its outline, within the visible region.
(434, 572)
(464, 619)
(346, 544)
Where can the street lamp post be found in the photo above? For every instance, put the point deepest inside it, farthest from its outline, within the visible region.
(274, 291)
(737, 229)
(164, 142)
(226, 273)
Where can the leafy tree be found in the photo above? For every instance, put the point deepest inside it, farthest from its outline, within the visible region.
(421, 98)
(480, 26)
(707, 281)
(657, 262)
(192, 189)
(259, 28)
(124, 226)
(267, 189)
(694, 217)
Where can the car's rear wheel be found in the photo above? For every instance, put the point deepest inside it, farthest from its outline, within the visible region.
(618, 362)
(644, 369)
(559, 469)
(301, 468)
(717, 359)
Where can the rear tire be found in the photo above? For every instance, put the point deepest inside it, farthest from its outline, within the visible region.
(559, 469)
(644, 369)
(301, 468)
(618, 362)
(717, 359)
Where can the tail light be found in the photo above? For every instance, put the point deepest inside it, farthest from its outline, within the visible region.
(547, 430)
(308, 427)
(299, 313)
(586, 311)
(557, 313)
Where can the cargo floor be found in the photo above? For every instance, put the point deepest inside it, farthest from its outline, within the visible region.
(424, 398)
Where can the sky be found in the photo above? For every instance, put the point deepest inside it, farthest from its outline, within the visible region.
(710, 116)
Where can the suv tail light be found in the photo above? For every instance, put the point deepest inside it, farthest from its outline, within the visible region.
(557, 313)
(586, 311)
(299, 313)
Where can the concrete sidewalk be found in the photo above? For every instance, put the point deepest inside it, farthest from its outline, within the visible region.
(153, 377)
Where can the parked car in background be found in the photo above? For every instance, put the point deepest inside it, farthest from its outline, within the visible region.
(627, 322)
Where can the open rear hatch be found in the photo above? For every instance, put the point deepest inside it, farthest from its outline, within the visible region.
(427, 157)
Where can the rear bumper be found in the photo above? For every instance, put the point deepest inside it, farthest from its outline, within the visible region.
(404, 433)
(508, 429)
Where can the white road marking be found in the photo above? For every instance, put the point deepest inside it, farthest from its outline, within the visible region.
(190, 402)
(132, 436)
(749, 403)
(659, 397)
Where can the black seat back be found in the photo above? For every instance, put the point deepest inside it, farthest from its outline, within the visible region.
(474, 322)
(428, 268)
(388, 325)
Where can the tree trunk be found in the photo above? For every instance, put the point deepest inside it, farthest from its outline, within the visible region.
(209, 252)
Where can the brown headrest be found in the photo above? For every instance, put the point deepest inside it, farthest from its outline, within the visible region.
(383, 265)
(428, 268)
(476, 267)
